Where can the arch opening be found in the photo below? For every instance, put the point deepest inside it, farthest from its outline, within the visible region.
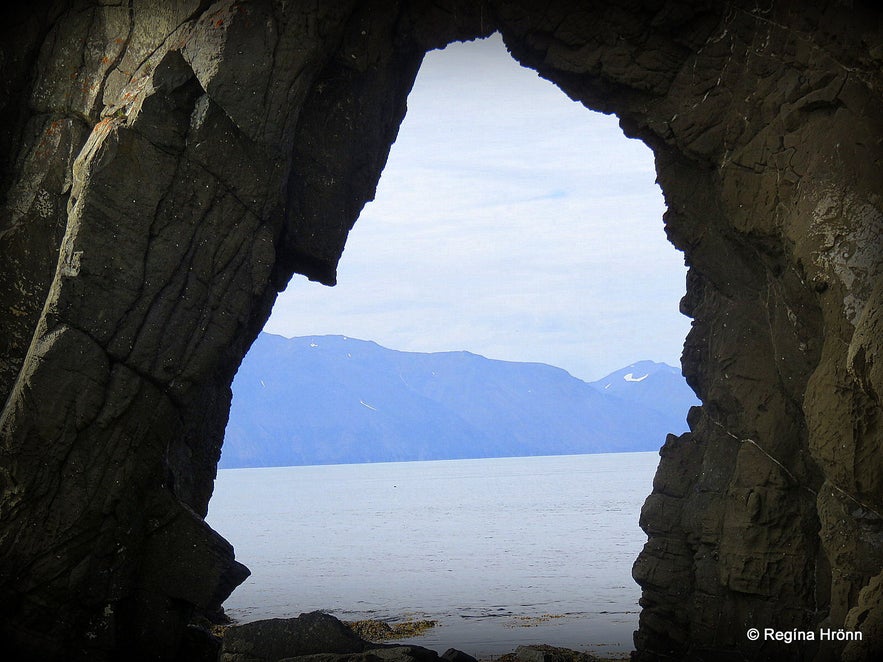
(544, 223)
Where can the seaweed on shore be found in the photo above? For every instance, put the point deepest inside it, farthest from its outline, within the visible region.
(375, 630)
(533, 621)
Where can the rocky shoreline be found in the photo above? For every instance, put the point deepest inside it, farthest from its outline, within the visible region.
(320, 637)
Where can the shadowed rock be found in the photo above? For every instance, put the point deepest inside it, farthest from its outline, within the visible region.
(551, 654)
(316, 636)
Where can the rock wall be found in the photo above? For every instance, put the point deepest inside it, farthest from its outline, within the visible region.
(166, 167)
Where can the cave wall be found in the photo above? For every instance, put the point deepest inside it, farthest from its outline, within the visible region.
(167, 166)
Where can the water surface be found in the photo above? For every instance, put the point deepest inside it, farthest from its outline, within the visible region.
(489, 547)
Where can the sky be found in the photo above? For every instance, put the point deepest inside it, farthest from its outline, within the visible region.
(510, 222)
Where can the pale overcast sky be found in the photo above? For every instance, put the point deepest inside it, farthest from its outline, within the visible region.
(510, 222)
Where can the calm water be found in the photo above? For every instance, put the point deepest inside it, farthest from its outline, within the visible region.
(486, 547)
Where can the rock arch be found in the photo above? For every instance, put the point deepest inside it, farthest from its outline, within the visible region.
(168, 165)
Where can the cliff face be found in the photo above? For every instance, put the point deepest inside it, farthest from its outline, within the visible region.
(166, 167)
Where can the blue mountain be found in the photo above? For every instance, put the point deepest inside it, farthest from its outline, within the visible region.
(332, 399)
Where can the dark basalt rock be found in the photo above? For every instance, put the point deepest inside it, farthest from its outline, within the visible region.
(278, 638)
(167, 166)
(546, 653)
(313, 637)
(453, 655)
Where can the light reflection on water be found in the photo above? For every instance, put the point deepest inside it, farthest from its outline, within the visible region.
(486, 547)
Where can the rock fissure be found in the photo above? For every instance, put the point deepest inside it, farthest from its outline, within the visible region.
(114, 63)
(173, 42)
(745, 440)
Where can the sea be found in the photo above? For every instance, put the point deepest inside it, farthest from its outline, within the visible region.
(500, 552)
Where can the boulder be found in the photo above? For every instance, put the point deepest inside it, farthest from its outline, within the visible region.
(545, 653)
(313, 637)
(279, 638)
(454, 655)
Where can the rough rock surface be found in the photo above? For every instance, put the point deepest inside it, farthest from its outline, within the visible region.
(316, 637)
(167, 165)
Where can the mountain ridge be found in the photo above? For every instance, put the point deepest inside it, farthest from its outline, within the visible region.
(334, 399)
